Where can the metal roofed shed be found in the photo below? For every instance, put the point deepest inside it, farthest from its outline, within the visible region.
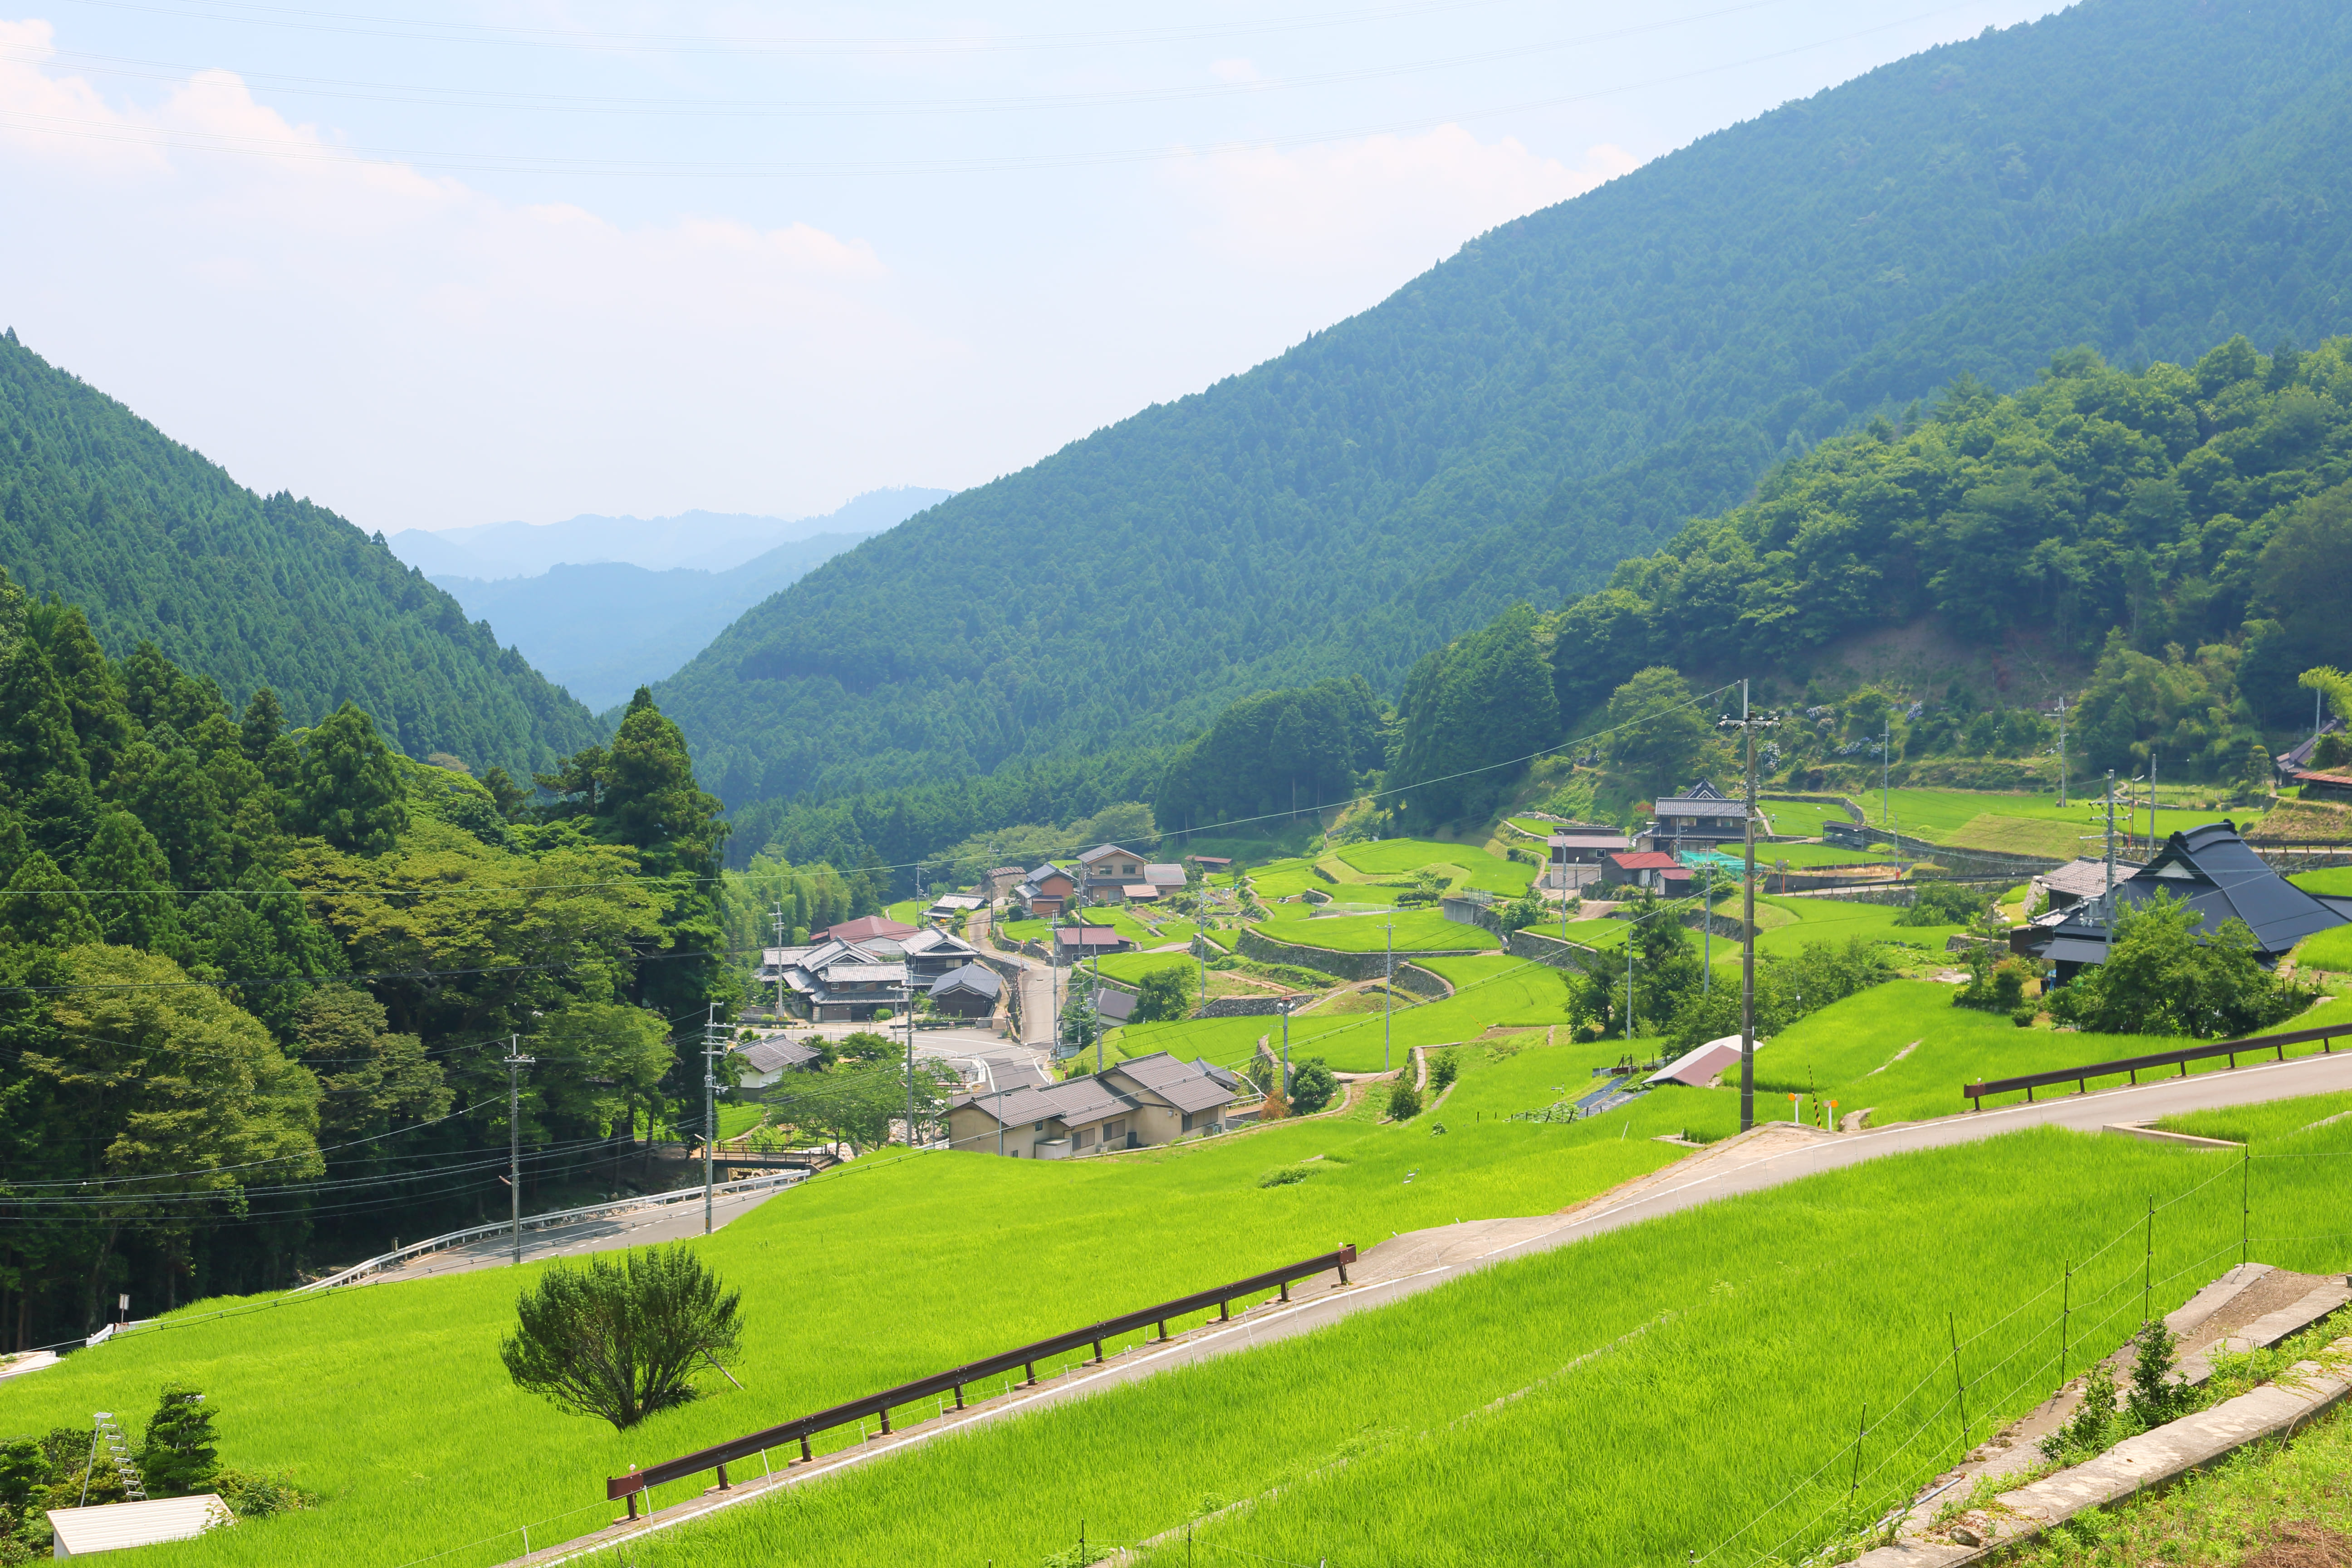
(1701, 1067)
(112, 1527)
(1114, 1006)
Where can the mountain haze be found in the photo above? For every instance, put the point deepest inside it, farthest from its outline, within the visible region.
(2144, 176)
(694, 541)
(601, 631)
(155, 544)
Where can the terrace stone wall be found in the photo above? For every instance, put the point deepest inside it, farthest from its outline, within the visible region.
(1346, 965)
(1243, 1007)
(1422, 982)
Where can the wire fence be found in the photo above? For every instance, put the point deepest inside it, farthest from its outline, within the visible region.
(2101, 1306)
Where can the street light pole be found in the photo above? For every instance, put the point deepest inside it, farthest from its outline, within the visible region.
(516, 1062)
(1388, 996)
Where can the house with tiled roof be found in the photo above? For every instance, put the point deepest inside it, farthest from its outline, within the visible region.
(1131, 1104)
(2212, 870)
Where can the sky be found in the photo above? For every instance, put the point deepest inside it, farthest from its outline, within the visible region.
(434, 265)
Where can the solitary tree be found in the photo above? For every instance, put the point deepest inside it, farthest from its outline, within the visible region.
(178, 1458)
(622, 1340)
(1165, 995)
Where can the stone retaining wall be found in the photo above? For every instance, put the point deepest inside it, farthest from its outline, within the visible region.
(1346, 965)
(1422, 982)
(1243, 1007)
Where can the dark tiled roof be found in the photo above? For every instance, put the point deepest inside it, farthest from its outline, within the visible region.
(976, 978)
(2212, 870)
(1088, 936)
(1588, 840)
(1117, 1006)
(1185, 1085)
(1159, 873)
(776, 1056)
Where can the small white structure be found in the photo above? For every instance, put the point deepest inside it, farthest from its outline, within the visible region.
(1699, 1068)
(82, 1531)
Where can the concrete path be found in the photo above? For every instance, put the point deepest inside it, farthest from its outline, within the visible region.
(1769, 1155)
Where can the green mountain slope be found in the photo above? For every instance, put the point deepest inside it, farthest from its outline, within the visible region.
(1749, 294)
(157, 545)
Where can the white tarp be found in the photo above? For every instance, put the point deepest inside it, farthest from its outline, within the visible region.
(113, 1526)
(1695, 1068)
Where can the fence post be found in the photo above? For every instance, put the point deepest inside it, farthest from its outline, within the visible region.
(2246, 1204)
(2065, 1322)
(1959, 1389)
(2148, 1268)
(1854, 1490)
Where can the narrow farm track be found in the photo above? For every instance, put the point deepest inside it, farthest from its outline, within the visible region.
(1772, 1154)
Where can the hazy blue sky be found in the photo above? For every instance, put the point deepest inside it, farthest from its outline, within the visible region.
(435, 264)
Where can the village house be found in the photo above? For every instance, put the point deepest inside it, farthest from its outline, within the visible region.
(2212, 869)
(1648, 868)
(928, 953)
(1075, 944)
(864, 928)
(1698, 819)
(1046, 891)
(1131, 1105)
(835, 982)
(763, 1062)
(1107, 871)
(1572, 860)
(947, 906)
(968, 991)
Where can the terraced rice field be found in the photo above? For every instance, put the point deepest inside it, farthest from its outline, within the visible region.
(1420, 929)
(1569, 1408)
(1465, 865)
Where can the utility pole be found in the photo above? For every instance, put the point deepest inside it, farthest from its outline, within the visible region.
(1286, 1055)
(2062, 751)
(2151, 803)
(516, 1062)
(1388, 995)
(2108, 918)
(1097, 1002)
(907, 993)
(1707, 928)
(1748, 724)
(1629, 982)
(712, 1048)
(1885, 764)
(780, 968)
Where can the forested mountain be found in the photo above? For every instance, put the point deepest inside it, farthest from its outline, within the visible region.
(2143, 175)
(157, 545)
(603, 630)
(2189, 529)
(256, 984)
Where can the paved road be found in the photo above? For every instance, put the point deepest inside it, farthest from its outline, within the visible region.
(671, 1222)
(1410, 1264)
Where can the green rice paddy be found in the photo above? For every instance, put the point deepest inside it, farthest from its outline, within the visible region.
(1573, 1407)
(2334, 879)
(1415, 930)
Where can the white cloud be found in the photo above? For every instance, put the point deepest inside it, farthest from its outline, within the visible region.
(411, 350)
(1369, 214)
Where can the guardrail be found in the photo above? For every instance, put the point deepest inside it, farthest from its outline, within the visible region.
(540, 1222)
(802, 1428)
(2080, 1076)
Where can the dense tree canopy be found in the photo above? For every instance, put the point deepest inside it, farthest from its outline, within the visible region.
(157, 545)
(235, 958)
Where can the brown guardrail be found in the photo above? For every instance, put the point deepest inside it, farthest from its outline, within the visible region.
(2080, 1076)
(802, 1428)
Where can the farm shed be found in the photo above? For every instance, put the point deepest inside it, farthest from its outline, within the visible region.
(112, 1527)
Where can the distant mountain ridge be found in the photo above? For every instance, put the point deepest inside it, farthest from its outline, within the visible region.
(699, 541)
(604, 629)
(2145, 175)
(155, 543)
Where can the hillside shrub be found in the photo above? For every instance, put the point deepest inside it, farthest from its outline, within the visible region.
(1404, 1101)
(622, 1338)
(2165, 975)
(1312, 1087)
(2152, 1401)
(1945, 904)
(258, 1494)
(1445, 1070)
(2086, 1433)
(1284, 1176)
